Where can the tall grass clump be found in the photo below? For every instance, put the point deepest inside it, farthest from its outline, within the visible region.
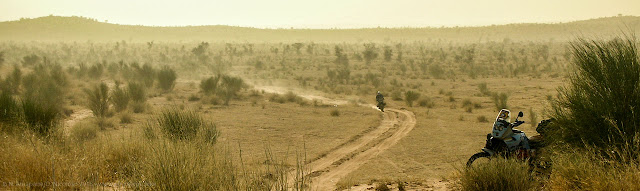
(500, 100)
(120, 98)
(40, 117)
(9, 108)
(98, 99)
(600, 105)
(497, 174)
(185, 125)
(167, 78)
(589, 170)
(137, 92)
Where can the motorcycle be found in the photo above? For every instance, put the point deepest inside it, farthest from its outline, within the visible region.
(381, 106)
(516, 145)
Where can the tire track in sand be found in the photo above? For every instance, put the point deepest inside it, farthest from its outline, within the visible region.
(326, 171)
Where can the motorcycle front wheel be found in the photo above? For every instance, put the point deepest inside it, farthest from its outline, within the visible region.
(477, 156)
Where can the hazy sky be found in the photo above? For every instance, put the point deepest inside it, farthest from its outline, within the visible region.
(321, 13)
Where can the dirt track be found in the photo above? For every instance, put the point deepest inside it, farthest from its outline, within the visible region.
(326, 171)
(401, 122)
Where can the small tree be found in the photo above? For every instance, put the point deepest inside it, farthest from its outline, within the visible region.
(370, 53)
(230, 87)
(167, 78)
(297, 46)
(410, 97)
(98, 99)
(388, 53)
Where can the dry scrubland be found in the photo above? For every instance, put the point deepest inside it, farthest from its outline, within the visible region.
(186, 115)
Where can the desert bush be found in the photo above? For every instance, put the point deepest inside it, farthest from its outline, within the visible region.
(167, 78)
(277, 98)
(30, 60)
(335, 113)
(484, 90)
(40, 117)
(126, 118)
(98, 99)
(137, 92)
(370, 53)
(599, 105)
(230, 87)
(9, 108)
(120, 98)
(1, 58)
(210, 85)
(500, 100)
(139, 107)
(426, 102)
(84, 131)
(497, 174)
(12, 82)
(146, 74)
(482, 119)
(184, 125)
(410, 97)
(382, 186)
(186, 166)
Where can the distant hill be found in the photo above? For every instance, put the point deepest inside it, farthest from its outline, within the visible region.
(56, 28)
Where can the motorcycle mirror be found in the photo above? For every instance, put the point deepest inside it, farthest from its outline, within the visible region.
(520, 114)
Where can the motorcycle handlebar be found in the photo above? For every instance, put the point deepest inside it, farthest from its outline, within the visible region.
(517, 123)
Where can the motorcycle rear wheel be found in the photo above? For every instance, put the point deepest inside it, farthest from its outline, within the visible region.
(477, 156)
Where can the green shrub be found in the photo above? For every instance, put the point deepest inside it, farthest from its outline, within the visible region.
(230, 87)
(498, 174)
(146, 75)
(120, 98)
(138, 107)
(426, 102)
(600, 104)
(210, 85)
(185, 125)
(40, 117)
(98, 99)
(167, 78)
(9, 108)
(137, 92)
(410, 97)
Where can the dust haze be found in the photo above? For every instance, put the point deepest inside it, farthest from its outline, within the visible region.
(285, 95)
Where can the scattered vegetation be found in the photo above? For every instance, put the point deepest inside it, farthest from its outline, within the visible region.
(98, 99)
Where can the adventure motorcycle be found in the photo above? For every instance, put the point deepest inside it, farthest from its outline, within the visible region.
(381, 106)
(507, 142)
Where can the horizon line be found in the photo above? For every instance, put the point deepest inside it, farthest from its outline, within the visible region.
(323, 28)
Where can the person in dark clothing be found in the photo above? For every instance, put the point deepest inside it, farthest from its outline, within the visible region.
(380, 100)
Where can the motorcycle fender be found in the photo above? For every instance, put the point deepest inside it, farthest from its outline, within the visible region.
(488, 151)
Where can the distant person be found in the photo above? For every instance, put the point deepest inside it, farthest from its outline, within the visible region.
(380, 100)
